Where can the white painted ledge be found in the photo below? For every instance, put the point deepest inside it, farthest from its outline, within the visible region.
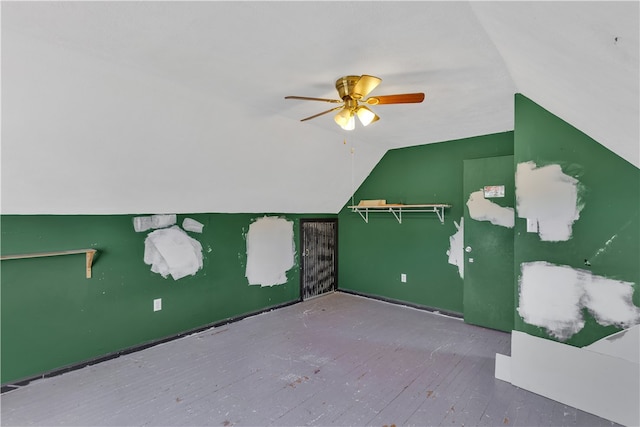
(604, 385)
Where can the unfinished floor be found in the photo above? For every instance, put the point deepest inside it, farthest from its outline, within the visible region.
(338, 359)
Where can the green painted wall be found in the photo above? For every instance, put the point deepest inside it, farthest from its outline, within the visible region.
(372, 256)
(53, 316)
(611, 207)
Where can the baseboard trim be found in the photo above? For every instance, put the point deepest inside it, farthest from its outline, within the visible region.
(405, 303)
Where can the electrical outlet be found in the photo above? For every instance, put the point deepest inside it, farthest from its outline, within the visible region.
(403, 278)
(157, 304)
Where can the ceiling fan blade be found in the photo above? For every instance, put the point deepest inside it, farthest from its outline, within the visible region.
(405, 98)
(365, 85)
(320, 114)
(306, 98)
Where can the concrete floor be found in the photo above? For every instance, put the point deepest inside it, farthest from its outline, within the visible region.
(338, 359)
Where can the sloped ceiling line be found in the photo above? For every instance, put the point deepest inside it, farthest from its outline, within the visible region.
(578, 60)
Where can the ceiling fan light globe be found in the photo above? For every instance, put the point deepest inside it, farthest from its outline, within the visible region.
(366, 116)
(343, 117)
(350, 124)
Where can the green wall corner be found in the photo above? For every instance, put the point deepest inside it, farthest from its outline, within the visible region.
(373, 255)
(610, 193)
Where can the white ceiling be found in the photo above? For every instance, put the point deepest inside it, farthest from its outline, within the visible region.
(178, 107)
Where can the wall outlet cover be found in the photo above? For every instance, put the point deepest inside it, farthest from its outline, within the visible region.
(157, 304)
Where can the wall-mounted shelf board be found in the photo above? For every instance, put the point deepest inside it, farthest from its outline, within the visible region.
(397, 209)
(89, 256)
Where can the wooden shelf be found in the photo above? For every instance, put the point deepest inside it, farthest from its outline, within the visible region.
(397, 209)
(89, 256)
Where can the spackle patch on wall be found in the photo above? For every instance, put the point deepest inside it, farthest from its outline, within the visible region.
(456, 248)
(549, 197)
(553, 297)
(192, 225)
(550, 298)
(171, 251)
(482, 209)
(144, 223)
(270, 251)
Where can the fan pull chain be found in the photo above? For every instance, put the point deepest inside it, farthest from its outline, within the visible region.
(353, 190)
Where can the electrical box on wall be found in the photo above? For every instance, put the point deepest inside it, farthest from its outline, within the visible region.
(403, 278)
(157, 304)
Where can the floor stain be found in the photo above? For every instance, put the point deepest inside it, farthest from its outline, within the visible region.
(298, 381)
(505, 421)
(429, 393)
(226, 423)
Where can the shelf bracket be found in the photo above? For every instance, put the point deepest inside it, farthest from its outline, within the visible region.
(89, 261)
(365, 216)
(440, 213)
(397, 215)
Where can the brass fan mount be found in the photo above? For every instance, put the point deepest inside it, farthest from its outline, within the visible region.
(345, 86)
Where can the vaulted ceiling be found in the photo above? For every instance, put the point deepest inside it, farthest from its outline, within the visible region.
(178, 107)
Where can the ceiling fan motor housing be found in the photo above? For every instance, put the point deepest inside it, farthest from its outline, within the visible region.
(345, 86)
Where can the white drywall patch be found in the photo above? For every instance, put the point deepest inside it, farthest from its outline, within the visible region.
(144, 223)
(553, 296)
(610, 301)
(192, 225)
(456, 248)
(550, 298)
(482, 209)
(549, 197)
(270, 251)
(171, 251)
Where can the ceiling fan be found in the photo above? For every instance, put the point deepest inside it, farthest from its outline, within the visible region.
(352, 91)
